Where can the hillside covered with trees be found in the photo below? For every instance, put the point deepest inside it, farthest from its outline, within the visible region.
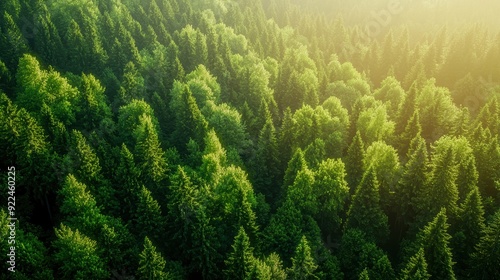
(268, 139)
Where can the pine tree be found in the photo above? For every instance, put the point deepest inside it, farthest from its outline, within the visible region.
(410, 189)
(412, 130)
(127, 178)
(354, 162)
(190, 123)
(151, 156)
(148, 217)
(303, 264)
(485, 259)
(434, 240)
(13, 41)
(267, 162)
(77, 256)
(151, 263)
(275, 265)
(365, 213)
(364, 275)
(416, 268)
(285, 139)
(467, 178)
(295, 164)
(442, 190)
(241, 260)
(470, 227)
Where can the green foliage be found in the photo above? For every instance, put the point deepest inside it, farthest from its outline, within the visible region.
(486, 255)
(416, 268)
(434, 240)
(77, 255)
(151, 263)
(240, 261)
(303, 264)
(109, 136)
(365, 212)
(355, 161)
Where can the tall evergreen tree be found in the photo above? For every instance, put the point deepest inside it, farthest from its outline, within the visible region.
(365, 212)
(470, 227)
(267, 162)
(487, 254)
(303, 264)
(416, 268)
(434, 240)
(151, 263)
(410, 190)
(148, 217)
(354, 162)
(77, 255)
(241, 260)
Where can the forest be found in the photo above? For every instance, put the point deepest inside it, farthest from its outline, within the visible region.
(233, 139)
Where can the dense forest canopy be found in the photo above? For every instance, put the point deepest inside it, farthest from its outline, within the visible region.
(269, 139)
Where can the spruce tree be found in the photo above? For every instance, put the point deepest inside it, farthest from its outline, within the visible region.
(149, 220)
(485, 259)
(267, 162)
(412, 130)
(410, 189)
(241, 260)
(355, 162)
(434, 239)
(365, 212)
(77, 256)
(469, 228)
(303, 264)
(297, 163)
(416, 268)
(151, 263)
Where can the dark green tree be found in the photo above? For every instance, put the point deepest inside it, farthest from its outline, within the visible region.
(434, 240)
(267, 163)
(149, 220)
(241, 260)
(365, 212)
(77, 256)
(297, 163)
(303, 264)
(151, 263)
(354, 162)
(487, 254)
(416, 268)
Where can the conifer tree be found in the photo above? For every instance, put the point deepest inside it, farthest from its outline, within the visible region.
(267, 162)
(127, 178)
(151, 263)
(151, 156)
(77, 256)
(241, 260)
(487, 254)
(303, 264)
(416, 268)
(354, 162)
(364, 275)
(365, 213)
(470, 227)
(148, 217)
(13, 41)
(434, 240)
(273, 261)
(285, 139)
(189, 122)
(410, 189)
(412, 129)
(297, 163)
